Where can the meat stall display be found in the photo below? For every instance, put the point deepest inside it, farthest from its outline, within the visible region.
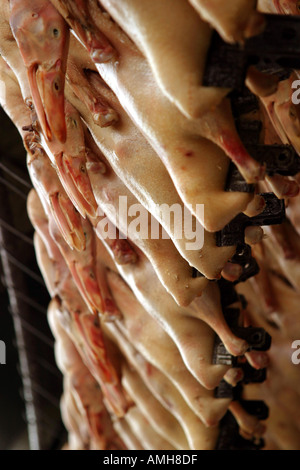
(162, 142)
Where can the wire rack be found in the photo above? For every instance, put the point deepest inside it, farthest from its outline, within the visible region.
(28, 298)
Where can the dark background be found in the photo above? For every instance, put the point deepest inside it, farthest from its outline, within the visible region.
(30, 383)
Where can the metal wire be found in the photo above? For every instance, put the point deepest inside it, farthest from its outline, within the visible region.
(40, 308)
(22, 267)
(42, 362)
(14, 189)
(44, 393)
(34, 330)
(16, 232)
